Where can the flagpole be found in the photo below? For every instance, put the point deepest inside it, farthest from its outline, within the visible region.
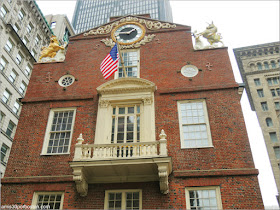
(120, 54)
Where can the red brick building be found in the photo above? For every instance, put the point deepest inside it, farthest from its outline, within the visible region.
(123, 159)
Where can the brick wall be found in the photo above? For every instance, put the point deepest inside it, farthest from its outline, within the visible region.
(161, 60)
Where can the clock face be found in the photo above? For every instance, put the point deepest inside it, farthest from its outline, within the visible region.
(128, 33)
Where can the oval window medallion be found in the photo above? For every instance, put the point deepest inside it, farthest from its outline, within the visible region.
(189, 71)
(66, 80)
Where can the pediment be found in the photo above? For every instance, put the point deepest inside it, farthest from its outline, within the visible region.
(150, 24)
(126, 85)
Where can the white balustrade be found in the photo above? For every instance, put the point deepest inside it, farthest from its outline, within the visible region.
(117, 151)
(120, 150)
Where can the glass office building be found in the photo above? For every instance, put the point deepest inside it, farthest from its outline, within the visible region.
(92, 13)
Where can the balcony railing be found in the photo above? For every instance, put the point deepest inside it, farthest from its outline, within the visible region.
(89, 152)
(122, 162)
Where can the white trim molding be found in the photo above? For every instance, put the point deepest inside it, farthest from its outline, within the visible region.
(203, 197)
(193, 120)
(48, 131)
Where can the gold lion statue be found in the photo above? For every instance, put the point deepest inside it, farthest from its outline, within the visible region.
(51, 50)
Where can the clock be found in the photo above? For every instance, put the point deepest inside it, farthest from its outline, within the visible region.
(189, 71)
(128, 33)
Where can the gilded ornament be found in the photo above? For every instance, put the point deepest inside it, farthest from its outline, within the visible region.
(152, 25)
(146, 39)
(54, 52)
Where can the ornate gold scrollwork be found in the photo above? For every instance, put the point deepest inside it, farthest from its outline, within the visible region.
(152, 25)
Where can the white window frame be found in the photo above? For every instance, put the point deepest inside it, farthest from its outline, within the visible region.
(13, 76)
(11, 130)
(36, 197)
(27, 70)
(216, 188)
(9, 45)
(6, 99)
(37, 39)
(16, 27)
(21, 14)
(21, 89)
(3, 11)
(206, 118)
(33, 53)
(117, 115)
(3, 63)
(16, 107)
(123, 191)
(2, 117)
(4, 155)
(29, 27)
(25, 40)
(19, 58)
(138, 63)
(48, 130)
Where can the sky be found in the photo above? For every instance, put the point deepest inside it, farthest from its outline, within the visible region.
(241, 23)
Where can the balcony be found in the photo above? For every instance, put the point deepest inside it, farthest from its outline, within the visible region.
(115, 163)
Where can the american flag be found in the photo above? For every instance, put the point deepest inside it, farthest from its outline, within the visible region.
(110, 63)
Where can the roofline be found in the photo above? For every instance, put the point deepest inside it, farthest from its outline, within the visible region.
(41, 13)
(121, 17)
(256, 46)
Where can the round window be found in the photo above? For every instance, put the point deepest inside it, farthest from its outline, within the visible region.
(66, 80)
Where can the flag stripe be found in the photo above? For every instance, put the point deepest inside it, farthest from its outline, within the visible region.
(109, 65)
(112, 66)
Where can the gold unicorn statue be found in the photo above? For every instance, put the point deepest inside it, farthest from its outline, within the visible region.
(211, 34)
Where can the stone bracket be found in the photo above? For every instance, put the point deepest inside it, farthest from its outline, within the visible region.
(80, 180)
(163, 172)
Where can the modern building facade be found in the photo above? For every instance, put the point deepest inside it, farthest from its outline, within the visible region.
(23, 31)
(259, 66)
(61, 27)
(169, 135)
(89, 14)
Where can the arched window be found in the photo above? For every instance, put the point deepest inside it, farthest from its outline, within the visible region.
(259, 66)
(269, 122)
(273, 65)
(252, 67)
(266, 66)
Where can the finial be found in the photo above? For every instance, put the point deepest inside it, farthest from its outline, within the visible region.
(80, 139)
(162, 135)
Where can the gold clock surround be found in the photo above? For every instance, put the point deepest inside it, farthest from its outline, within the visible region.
(126, 23)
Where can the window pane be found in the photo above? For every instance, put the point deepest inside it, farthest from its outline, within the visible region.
(60, 132)
(257, 82)
(125, 127)
(264, 106)
(203, 199)
(273, 137)
(194, 127)
(277, 152)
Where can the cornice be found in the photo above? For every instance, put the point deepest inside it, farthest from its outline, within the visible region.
(126, 85)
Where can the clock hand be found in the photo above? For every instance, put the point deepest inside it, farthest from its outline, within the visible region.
(132, 30)
(125, 32)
